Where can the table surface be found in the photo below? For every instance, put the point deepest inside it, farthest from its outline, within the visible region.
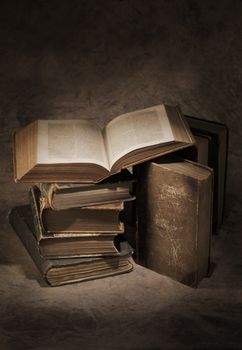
(138, 310)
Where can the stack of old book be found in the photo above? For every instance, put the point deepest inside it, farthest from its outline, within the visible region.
(76, 227)
(75, 232)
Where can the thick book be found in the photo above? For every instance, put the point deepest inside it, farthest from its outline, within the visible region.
(99, 219)
(174, 206)
(79, 151)
(69, 233)
(64, 271)
(59, 196)
(218, 137)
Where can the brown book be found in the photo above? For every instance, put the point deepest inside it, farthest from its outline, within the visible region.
(63, 271)
(69, 233)
(217, 159)
(79, 151)
(81, 220)
(174, 200)
(59, 196)
(77, 221)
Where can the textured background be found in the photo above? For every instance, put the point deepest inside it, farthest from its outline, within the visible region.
(95, 60)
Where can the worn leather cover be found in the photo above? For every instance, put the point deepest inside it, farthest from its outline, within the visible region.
(174, 206)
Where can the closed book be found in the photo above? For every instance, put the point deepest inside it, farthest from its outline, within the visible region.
(63, 271)
(174, 205)
(60, 196)
(218, 135)
(76, 221)
(61, 234)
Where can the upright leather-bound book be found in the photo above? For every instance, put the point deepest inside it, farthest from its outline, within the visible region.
(218, 135)
(174, 206)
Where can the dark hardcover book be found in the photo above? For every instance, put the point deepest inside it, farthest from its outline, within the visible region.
(218, 136)
(61, 234)
(174, 206)
(64, 271)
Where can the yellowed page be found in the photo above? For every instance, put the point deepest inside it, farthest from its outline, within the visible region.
(70, 141)
(135, 130)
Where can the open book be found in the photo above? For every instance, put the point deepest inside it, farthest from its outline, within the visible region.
(80, 151)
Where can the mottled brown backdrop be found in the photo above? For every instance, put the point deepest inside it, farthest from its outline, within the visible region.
(95, 60)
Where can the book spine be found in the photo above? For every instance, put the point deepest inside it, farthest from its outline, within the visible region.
(14, 157)
(205, 225)
(36, 215)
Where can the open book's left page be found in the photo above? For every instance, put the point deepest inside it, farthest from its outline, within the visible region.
(70, 141)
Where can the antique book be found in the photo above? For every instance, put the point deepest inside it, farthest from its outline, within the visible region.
(217, 159)
(66, 233)
(59, 196)
(93, 219)
(174, 206)
(79, 151)
(63, 271)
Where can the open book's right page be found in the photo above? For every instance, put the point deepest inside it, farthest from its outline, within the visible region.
(136, 130)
